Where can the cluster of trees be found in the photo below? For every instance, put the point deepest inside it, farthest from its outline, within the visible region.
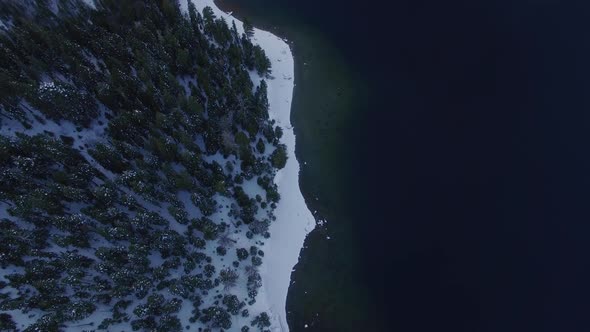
(81, 225)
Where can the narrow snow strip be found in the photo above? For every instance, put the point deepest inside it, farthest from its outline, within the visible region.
(90, 3)
(294, 220)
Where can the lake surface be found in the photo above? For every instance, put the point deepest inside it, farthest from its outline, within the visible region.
(447, 144)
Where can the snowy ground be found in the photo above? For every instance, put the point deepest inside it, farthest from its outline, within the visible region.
(294, 220)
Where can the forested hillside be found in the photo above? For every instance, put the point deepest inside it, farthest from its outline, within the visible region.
(136, 168)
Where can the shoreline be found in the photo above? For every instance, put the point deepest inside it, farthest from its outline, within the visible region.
(293, 218)
(327, 286)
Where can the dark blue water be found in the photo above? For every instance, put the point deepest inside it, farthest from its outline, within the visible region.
(469, 174)
(477, 165)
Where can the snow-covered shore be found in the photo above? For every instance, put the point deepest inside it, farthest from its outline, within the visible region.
(294, 220)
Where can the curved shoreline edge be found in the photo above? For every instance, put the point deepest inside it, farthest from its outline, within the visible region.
(293, 218)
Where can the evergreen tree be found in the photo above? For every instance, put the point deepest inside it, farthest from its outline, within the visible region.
(248, 28)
